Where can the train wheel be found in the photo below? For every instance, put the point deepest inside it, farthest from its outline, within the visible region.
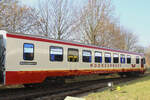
(37, 85)
(54, 81)
(29, 85)
(122, 75)
(133, 74)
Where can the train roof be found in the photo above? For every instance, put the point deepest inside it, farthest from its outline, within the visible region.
(73, 43)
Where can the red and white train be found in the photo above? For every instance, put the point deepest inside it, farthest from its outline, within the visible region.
(26, 59)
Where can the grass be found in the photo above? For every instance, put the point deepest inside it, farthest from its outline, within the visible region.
(135, 90)
(11, 86)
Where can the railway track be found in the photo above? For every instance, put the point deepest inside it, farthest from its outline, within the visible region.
(58, 92)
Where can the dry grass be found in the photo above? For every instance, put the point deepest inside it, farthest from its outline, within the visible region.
(11, 86)
(135, 90)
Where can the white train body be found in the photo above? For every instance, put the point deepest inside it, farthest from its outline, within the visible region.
(31, 59)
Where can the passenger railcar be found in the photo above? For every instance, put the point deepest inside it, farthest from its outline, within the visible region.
(26, 59)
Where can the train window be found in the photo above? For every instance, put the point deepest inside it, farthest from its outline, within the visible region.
(56, 53)
(116, 58)
(28, 51)
(107, 58)
(122, 59)
(128, 59)
(137, 60)
(73, 55)
(87, 56)
(98, 57)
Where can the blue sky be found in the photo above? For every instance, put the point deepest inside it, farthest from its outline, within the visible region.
(133, 15)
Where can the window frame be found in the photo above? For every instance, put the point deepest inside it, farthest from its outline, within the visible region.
(50, 53)
(68, 54)
(122, 55)
(114, 57)
(101, 56)
(88, 56)
(129, 56)
(137, 58)
(33, 51)
(143, 60)
(110, 57)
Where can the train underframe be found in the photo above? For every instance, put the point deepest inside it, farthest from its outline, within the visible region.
(130, 74)
(61, 80)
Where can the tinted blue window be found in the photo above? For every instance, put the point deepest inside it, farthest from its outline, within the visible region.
(28, 51)
(52, 57)
(107, 58)
(90, 59)
(86, 56)
(98, 57)
(26, 45)
(122, 59)
(56, 53)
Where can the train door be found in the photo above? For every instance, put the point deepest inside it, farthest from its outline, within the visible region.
(73, 58)
(2, 59)
(142, 62)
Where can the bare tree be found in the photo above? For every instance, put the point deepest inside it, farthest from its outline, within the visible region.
(111, 36)
(139, 49)
(56, 19)
(93, 19)
(4, 10)
(15, 17)
(131, 41)
(118, 40)
(147, 55)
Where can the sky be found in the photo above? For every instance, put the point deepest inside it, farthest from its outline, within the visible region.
(133, 15)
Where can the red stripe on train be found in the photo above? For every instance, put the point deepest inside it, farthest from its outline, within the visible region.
(25, 77)
(65, 43)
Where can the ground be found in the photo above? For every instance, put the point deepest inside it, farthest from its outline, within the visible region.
(135, 90)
